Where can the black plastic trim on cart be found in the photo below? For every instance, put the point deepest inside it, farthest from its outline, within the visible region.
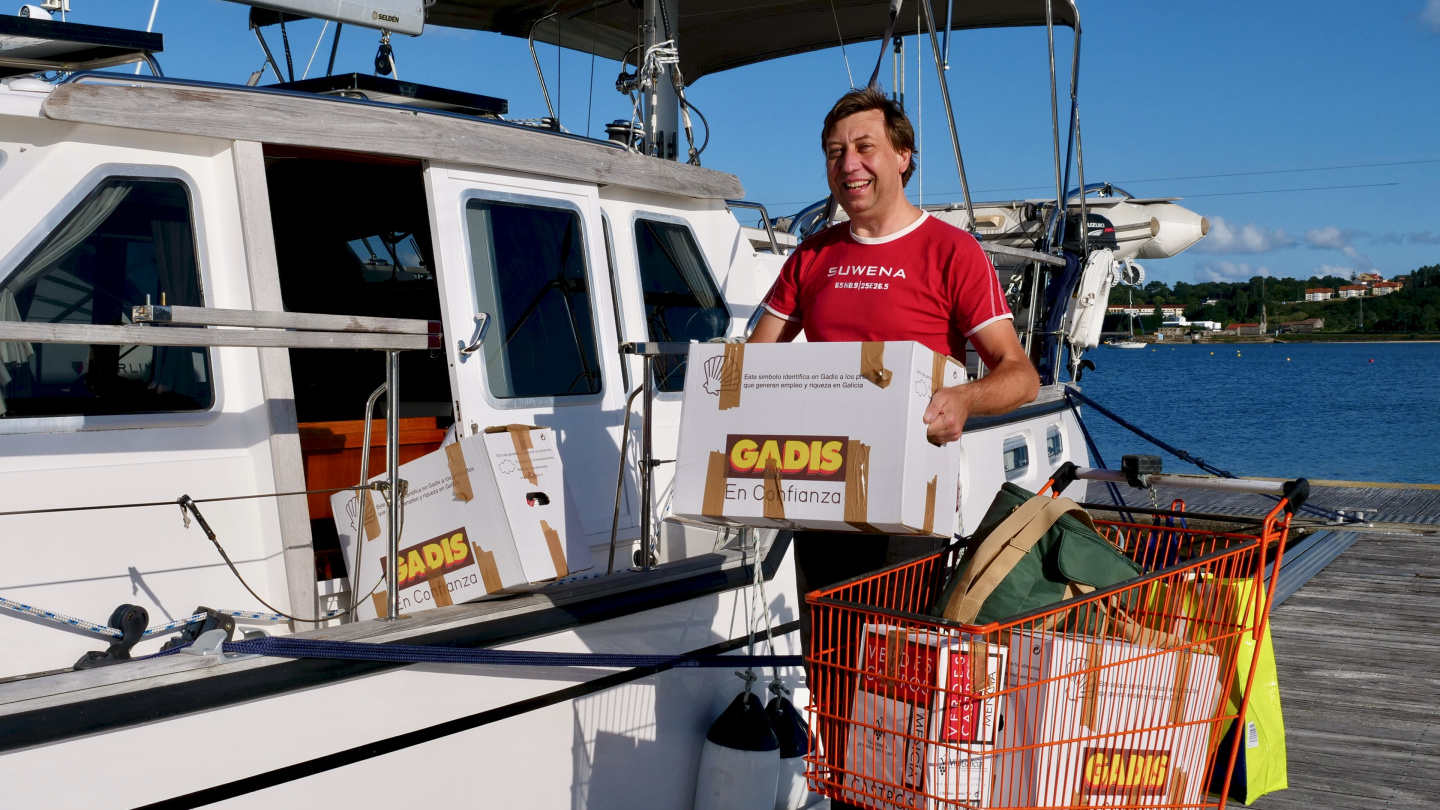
(147, 705)
(410, 739)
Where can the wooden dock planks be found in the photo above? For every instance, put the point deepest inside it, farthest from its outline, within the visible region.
(1358, 650)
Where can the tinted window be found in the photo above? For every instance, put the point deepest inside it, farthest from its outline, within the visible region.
(530, 276)
(681, 301)
(128, 240)
(1017, 457)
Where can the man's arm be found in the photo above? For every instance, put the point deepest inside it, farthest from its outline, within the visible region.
(774, 329)
(1010, 382)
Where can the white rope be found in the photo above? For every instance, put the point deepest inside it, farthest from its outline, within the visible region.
(59, 618)
(109, 632)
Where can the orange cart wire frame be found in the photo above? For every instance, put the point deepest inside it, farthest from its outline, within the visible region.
(1115, 698)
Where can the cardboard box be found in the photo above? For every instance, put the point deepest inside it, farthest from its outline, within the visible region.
(890, 717)
(484, 515)
(825, 436)
(916, 738)
(960, 763)
(1112, 724)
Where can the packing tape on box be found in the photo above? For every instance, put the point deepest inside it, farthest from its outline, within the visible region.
(929, 526)
(1179, 780)
(714, 503)
(1090, 700)
(382, 605)
(937, 372)
(774, 491)
(557, 551)
(872, 363)
(1182, 683)
(459, 472)
(520, 437)
(489, 574)
(857, 486)
(979, 668)
(368, 516)
(731, 375)
(439, 591)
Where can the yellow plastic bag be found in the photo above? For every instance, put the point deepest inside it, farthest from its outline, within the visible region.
(1204, 610)
(1260, 765)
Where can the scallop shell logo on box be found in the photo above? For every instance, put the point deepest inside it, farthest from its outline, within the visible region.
(714, 369)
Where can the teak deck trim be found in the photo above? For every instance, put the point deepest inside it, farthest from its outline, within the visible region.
(295, 119)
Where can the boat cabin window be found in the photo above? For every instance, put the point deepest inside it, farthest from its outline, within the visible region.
(682, 302)
(1017, 457)
(530, 277)
(129, 240)
(1054, 444)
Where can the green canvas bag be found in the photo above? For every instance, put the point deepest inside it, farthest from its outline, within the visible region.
(1032, 551)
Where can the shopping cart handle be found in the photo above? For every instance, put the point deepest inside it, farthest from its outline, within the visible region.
(1297, 492)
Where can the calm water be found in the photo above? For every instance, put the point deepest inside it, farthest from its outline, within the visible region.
(1357, 412)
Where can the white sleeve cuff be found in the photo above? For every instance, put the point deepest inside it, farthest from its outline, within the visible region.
(780, 315)
(1006, 317)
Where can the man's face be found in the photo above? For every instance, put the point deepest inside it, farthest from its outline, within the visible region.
(862, 166)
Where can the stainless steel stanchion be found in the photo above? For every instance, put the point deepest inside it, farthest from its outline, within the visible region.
(647, 466)
(392, 472)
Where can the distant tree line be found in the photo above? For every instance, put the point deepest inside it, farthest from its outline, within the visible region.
(1416, 308)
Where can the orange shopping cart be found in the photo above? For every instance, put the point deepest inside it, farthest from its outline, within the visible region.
(1116, 698)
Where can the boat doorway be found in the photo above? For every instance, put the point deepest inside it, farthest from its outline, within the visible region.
(352, 237)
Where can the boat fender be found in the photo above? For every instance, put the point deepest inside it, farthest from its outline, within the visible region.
(740, 761)
(791, 793)
(131, 621)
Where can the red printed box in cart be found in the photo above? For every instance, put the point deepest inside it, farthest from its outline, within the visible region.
(1105, 724)
(918, 736)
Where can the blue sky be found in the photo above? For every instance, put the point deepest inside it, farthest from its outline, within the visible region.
(1321, 116)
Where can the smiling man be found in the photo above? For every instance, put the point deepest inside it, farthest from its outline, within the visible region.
(893, 272)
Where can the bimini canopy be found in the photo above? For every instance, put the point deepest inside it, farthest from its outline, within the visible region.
(716, 35)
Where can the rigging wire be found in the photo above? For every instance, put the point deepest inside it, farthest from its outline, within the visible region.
(145, 504)
(318, 40)
(1281, 190)
(1178, 194)
(148, 26)
(594, 33)
(850, 77)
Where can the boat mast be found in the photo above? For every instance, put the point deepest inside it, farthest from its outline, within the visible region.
(661, 106)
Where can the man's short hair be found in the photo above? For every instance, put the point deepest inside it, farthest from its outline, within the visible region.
(897, 124)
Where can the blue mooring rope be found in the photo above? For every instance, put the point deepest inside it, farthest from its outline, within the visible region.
(1071, 394)
(281, 647)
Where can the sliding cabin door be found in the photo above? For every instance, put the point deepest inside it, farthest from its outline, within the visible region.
(531, 255)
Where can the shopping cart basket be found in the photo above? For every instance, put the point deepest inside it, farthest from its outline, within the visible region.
(1116, 698)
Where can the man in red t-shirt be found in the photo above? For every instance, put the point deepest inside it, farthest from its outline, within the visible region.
(893, 272)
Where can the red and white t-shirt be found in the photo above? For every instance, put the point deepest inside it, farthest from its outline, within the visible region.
(929, 282)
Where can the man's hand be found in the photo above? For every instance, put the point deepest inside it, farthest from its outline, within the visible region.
(1010, 383)
(949, 408)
